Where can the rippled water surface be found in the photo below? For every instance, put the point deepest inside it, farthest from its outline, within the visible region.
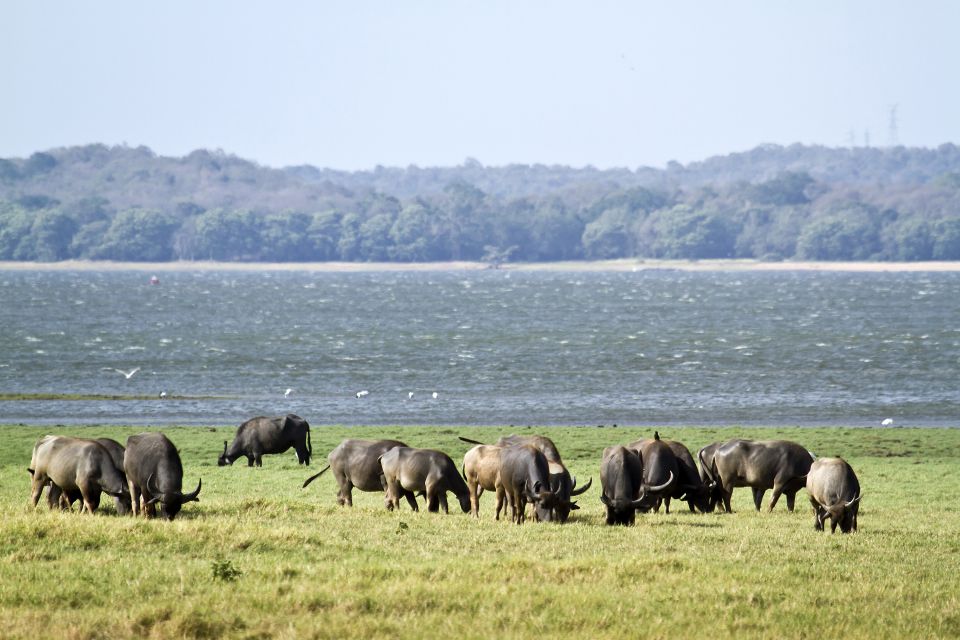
(497, 347)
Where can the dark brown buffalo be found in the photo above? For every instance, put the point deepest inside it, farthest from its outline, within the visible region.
(834, 493)
(660, 471)
(261, 435)
(621, 483)
(409, 471)
(525, 476)
(155, 474)
(780, 465)
(356, 464)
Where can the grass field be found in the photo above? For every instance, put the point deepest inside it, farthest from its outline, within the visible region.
(259, 557)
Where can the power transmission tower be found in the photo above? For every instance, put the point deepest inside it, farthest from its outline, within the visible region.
(894, 133)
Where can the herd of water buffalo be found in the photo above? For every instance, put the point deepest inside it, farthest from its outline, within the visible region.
(640, 476)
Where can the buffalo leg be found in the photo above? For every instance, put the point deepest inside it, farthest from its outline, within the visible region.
(726, 495)
(259, 459)
(816, 515)
(443, 502)
(666, 504)
(791, 500)
(474, 499)
(758, 497)
(249, 460)
(37, 489)
(134, 498)
(411, 500)
(501, 497)
(777, 491)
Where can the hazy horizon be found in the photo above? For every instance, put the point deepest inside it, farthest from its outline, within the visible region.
(351, 87)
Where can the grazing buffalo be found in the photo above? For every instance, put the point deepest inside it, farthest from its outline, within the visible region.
(155, 473)
(561, 482)
(525, 476)
(834, 493)
(621, 484)
(661, 472)
(75, 467)
(121, 503)
(481, 469)
(356, 463)
(780, 465)
(690, 487)
(708, 475)
(259, 436)
(409, 471)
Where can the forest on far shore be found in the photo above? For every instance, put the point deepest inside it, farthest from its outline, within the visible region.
(771, 203)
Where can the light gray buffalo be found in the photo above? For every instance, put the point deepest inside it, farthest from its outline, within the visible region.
(661, 471)
(75, 467)
(561, 482)
(261, 435)
(121, 503)
(356, 464)
(834, 493)
(525, 477)
(780, 465)
(155, 474)
(621, 483)
(481, 470)
(409, 471)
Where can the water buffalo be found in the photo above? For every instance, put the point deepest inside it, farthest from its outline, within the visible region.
(690, 487)
(708, 475)
(834, 493)
(75, 467)
(408, 471)
(525, 476)
(259, 436)
(661, 472)
(121, 503)
(780, 465)
(621, 484)
(561, 482)
(154, 471)
(481, 469)
(356, 463)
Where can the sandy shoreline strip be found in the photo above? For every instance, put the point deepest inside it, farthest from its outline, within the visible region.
(575, 266)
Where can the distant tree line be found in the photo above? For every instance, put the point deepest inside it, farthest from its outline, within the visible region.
(118, 203)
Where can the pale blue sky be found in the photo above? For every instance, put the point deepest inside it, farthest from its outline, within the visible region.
(350, 85)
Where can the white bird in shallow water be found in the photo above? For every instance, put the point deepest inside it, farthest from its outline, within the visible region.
(410, 395)
(887, 422)
(128, 374)
(163, 394)
(434, 395)
(360, 394)
(286, 394)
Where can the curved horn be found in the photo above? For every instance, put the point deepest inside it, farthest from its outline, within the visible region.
(469, 440)
(660, 487)
(636, 504)
(582, 489)
(852, 502)
(314, 477)
(192, 497)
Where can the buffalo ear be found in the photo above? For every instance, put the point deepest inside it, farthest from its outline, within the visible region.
(573, 506)
(31, 470)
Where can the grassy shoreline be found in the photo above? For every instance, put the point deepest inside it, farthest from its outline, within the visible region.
(308, 568)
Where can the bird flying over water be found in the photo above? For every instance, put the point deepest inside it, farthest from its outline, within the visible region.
(128, 374)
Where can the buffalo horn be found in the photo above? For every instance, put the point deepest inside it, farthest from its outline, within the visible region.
(854, 501)
(191, 497)
(636, 504)
(582, 489)
(660, 487)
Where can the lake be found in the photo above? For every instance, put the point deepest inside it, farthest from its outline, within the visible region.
(497, 347)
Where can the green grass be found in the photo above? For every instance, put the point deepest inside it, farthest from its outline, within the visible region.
(259, 557)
